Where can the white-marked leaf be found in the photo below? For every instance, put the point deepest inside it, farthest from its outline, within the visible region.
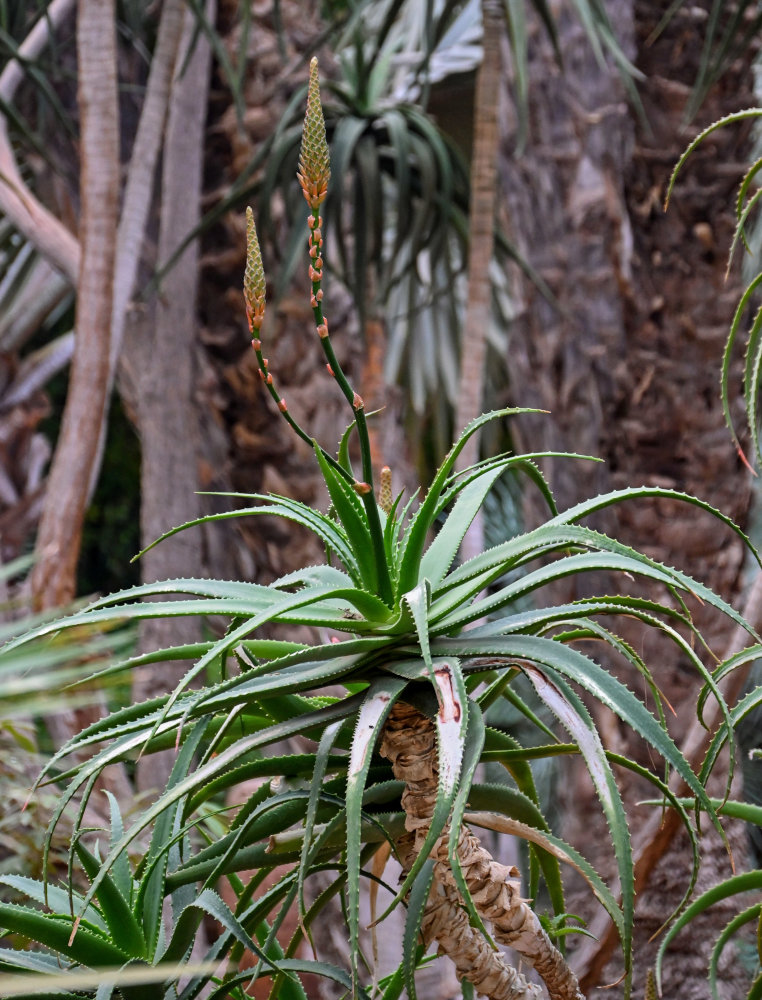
(373, 712)
(451, 722)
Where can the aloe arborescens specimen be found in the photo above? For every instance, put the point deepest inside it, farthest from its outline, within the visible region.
(408, 737)
(427, 649)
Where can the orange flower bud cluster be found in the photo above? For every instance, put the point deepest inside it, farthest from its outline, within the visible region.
(314, 161)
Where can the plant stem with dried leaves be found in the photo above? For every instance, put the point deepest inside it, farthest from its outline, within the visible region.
(409, 742)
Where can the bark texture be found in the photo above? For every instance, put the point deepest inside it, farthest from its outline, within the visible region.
(409, 742)
(58, 540)
(484, 186)
(140, 177)
(446, 922)
(481, 227)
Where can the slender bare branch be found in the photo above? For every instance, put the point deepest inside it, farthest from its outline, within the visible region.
(43, 289)
(140, 177)
(33, 45)
(28, 214)
(37, 369)
(139, 189)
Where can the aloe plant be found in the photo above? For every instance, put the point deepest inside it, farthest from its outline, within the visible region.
(747, 201)
(419, 647)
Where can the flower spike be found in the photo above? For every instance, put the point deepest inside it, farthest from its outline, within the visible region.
(314, 162)
(254, 285)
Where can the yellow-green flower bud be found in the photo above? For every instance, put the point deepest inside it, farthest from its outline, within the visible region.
(314, 161)
(254, 285)
(385, 490)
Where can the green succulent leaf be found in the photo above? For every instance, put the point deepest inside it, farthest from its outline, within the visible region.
(414, 540)
(746, 916)
(373, 712)
(416, 905)
(87, 947)
(56, 899)
(737, 116)
(122, 925)
(745, 882)
(576, 720)
(208, 902)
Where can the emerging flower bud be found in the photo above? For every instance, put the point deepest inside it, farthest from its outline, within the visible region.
(314, 162)
(254, 284)
(385, 490)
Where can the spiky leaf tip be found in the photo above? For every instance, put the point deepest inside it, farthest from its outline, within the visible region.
(314, 160)
(254, 284)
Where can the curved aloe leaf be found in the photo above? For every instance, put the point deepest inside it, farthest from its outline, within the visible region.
(122, 925)
(720, 123)
(414, 540)
(730, 887)
(373, 712)
(89, 947)
(575, 719)
(416, 905)
(751, 913)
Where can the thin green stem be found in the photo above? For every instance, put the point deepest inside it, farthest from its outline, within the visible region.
(280, 402)
(365, 488)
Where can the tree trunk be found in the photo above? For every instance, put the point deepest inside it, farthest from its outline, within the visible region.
(484, 184)
(161, 358)
(58, 541)
(628, 361)
(409, 741)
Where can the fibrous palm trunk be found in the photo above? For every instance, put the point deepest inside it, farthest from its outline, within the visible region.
(409, 742)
